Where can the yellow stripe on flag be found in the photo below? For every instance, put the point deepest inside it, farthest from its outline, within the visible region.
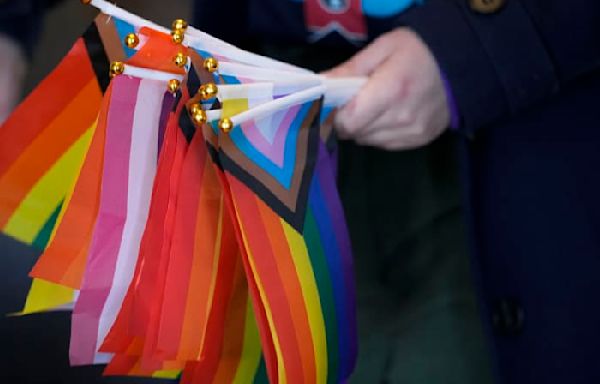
(268, 311)
(71, 188)
(167, 374)
(251, 352)
(45, 296)
(232, 107)
(33, 212)
(312, 299)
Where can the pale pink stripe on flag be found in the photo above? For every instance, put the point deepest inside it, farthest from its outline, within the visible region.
(108, 230)
(273, 151)
(142, 170)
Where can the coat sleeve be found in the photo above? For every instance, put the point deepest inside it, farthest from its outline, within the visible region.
(502, 63)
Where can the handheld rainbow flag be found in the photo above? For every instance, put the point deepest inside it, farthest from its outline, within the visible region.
(183, 196)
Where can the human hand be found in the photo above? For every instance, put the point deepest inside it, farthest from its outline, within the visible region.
(12, 73)
(403, 105)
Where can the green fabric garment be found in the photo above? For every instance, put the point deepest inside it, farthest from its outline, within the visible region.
(418, 316)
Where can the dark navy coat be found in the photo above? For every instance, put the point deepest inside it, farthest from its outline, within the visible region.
(527, 83)
(526, 78)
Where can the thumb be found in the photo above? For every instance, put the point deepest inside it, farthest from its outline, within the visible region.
(365, 61)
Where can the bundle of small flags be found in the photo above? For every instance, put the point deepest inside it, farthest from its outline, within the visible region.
(182, 194)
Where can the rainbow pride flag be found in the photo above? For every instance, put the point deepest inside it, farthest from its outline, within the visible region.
(182, 193)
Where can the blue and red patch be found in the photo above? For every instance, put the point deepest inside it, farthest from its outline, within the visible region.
(347, 17)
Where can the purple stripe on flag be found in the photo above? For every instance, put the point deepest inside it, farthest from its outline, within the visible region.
(167, 106)
(333, 204)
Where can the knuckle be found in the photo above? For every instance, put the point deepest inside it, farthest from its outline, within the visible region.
(351, 127)
(362, 141)
(341, 130)
(415, 139)
(401, 90)
(417, 128)
(406, 118)
(390, 147)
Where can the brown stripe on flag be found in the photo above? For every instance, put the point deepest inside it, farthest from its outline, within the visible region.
(110, 38)
(287, 197)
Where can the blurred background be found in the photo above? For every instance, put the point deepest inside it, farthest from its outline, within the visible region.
(34, 348)
(67, 21)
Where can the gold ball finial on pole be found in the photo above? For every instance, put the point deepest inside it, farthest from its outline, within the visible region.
(132, 40)
(116, 68)
(226, 125)
(180, 60)
(199, 117)
(174, 85)
(179, 27)
(208, 91)
(211, 64)
(179, 24)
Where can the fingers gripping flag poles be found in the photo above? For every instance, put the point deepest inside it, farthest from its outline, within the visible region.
(183, 197)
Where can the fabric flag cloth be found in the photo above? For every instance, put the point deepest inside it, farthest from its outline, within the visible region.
(185, 207)
(130, 157)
